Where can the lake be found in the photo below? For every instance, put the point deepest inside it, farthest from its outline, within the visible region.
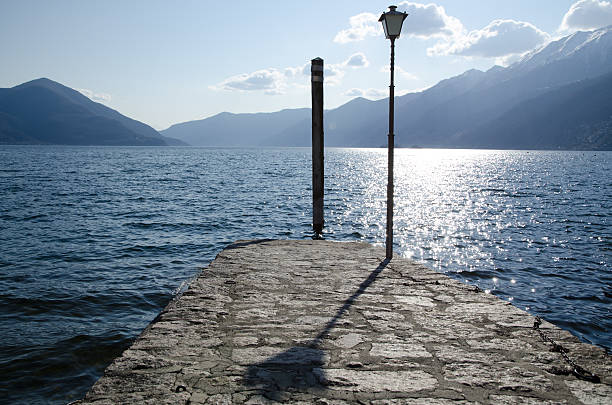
(95, 241)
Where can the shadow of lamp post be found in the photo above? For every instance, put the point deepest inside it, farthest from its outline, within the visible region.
(392, 22)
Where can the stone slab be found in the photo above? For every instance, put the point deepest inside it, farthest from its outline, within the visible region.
(318, 322)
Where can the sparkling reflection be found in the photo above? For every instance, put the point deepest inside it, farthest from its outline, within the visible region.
(97, 240)
(519, 224)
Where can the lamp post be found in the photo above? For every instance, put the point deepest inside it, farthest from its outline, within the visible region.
(392, 22)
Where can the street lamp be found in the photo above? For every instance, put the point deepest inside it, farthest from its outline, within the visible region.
(392, 22)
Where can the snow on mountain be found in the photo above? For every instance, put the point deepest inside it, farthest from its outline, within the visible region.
(592, 43)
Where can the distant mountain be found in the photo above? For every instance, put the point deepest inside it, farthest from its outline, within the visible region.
(470, 110)
(590, 50)
(339, 125)
(227, 129)
(45, 112)
(575, 116)
(443, 123)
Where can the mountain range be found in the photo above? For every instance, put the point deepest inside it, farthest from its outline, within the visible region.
(556, 97)
(45, 112)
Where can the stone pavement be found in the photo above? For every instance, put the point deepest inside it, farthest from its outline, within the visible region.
(317, 322)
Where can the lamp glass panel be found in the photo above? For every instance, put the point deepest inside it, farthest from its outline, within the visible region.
(393, 24)
(384, 24)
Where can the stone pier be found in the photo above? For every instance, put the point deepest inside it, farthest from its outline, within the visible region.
(318, 322)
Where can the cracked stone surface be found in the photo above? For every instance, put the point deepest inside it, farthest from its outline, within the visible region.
(318, 322)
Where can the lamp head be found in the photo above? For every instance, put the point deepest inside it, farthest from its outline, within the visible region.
(392, 22)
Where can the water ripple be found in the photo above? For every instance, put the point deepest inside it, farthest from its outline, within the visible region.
(96, 241)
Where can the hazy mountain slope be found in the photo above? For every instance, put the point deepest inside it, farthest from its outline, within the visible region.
(11, 132)
(590, 48)
(417, 114)
(174, 142)
(365, 123)
(348, 125)
(338, 125)
(499, 90)
(438, 116)
(46, 112)
(93, 107)
(575, 116)
(227, 129)
(441, 116)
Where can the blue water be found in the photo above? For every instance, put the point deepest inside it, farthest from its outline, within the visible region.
(95, 241)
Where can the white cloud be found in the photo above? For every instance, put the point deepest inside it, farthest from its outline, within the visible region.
(274, 81)
(429, 20)
(357, 60)
(415, 90)
(354, 92)
(376, 93)
(98, 97)
(587, 14)
(292, 72)
(333, 74)
(424, 21)
(271, 81)
(501, 38)
(509, 59)
(330, 70)
(369, 93)
(362, 26)
(400, 71)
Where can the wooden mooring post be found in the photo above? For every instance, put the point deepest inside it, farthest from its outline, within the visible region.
(316, 71)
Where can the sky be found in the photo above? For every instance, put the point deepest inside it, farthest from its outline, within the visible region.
(165, 62)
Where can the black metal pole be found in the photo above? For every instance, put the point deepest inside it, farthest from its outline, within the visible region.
(391, 146)
(317, 146)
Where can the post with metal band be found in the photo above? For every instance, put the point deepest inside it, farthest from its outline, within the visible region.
(392, 22)
(317, 146)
